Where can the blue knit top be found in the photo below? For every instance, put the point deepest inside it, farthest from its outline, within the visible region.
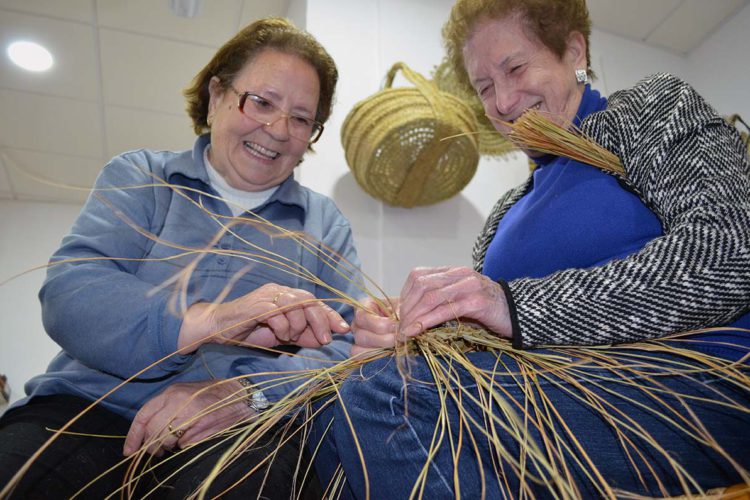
(574, 216)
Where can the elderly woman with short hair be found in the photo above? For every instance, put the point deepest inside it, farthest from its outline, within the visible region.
(575, 256)
(257, 107)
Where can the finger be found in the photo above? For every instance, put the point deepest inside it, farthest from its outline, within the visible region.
(297, 320)
(261, 337)
(291, 304)
(468, 297)
(134, 439)
(317, 316)
(435, 290)
(416, 274)
(364, 320)
(308, 339)
(335, 321)
(279, 325)
(372, 340)
(420, 282)
(160, 442)
(389, 307)
(138, 428)
(205, 428)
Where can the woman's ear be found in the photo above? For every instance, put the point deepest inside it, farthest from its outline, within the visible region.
(575, 51)
(215, 91)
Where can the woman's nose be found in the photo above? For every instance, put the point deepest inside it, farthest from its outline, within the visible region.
(506, 99)
(279, 128)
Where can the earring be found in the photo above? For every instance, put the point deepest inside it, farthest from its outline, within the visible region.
(209, 120)
(582, 76)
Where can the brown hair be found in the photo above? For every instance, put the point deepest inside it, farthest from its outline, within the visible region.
(550, 21)
(270, 33)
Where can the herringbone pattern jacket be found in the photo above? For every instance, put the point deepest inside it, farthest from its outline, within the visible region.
(688, 166)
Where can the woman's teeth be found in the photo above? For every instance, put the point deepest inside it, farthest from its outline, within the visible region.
(259, 150)
(536, 107)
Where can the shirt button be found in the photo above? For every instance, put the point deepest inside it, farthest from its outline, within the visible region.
(221, 260)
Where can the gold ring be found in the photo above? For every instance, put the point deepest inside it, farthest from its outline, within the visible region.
(177, 432)
(276, 298)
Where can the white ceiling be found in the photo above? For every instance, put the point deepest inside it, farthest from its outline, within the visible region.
(121, 63)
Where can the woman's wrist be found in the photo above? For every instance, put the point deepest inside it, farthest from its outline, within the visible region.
(196, 325)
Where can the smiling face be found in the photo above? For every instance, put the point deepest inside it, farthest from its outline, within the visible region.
(512, 71)
(249, 155)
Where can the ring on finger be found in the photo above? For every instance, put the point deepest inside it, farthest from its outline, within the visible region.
(276, 298)
(177, 432)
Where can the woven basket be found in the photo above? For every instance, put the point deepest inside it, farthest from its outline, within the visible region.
(393, 145)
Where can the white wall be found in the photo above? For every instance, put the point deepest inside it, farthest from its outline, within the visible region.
(719, 67)
(30, 233)
(366, 37)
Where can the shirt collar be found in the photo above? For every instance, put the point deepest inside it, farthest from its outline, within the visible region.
(190, 164)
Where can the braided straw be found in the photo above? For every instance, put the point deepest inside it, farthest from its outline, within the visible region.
(491, 142)
(392, 142)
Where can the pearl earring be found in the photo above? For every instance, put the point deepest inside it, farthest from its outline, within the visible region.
(582, 76)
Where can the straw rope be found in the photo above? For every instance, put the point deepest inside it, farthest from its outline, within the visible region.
(392, 142)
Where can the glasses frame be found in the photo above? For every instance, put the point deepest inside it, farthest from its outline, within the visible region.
(317, 129)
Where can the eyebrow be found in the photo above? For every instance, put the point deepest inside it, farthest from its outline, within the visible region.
(273, 95)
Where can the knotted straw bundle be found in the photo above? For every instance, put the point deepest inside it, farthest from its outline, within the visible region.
(393, 145)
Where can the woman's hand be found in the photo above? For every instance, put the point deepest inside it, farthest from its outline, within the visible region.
(373, 327)
(434, 295)
(266, 317)
(173, 419)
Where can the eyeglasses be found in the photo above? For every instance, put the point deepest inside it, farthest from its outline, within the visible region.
(267, 113)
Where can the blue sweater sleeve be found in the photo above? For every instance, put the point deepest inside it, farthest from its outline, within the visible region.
(93, 305)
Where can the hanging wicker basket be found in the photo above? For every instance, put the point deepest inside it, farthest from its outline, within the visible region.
(393, 145)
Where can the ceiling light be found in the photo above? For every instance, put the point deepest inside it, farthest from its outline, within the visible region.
(30, 56)
(186, 8)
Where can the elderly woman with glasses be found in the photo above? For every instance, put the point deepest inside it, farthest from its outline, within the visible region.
(157, 355)
(573, 257)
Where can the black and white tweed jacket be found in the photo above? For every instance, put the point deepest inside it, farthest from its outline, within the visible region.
(688, 166)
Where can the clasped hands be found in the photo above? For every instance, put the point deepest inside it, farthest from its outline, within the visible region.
(431, 296)
(269, 316)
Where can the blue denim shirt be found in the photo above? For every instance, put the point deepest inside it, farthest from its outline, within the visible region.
(113, 317)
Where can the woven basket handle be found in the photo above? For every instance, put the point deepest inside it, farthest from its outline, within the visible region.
(425, 86)
(410, 75)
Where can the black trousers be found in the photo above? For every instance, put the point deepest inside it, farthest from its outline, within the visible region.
(72, 461)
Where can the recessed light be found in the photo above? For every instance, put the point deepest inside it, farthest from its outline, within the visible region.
(30, 56)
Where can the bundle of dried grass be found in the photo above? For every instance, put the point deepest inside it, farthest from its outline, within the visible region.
(537, 131)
